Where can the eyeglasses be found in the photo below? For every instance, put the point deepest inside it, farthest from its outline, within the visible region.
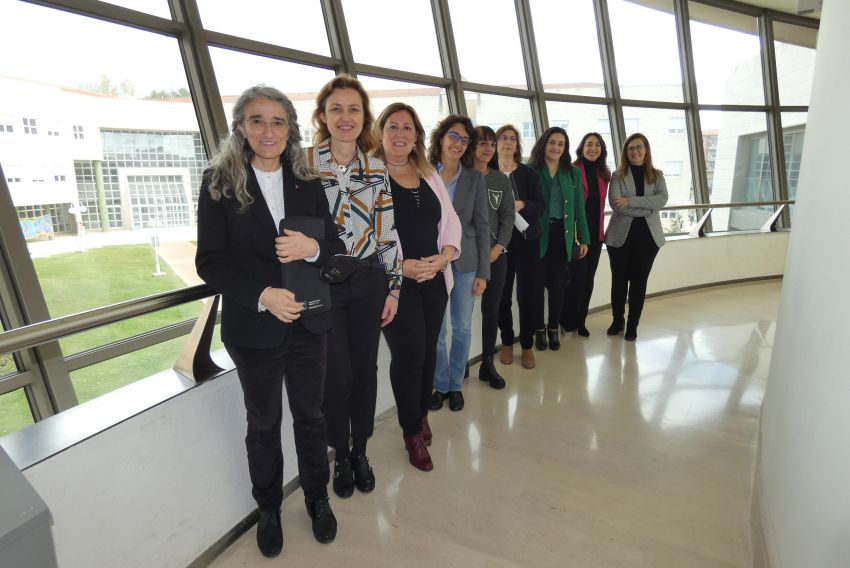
(636, 148)
(259, 124)
(506, 138)
(455, 137)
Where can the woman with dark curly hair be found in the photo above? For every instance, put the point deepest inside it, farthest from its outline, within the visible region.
(523, 249)
(563, 228)
(592, 162)
(451, 153)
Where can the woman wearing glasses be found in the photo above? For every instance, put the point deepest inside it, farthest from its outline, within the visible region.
(563, 225)
(501, 209)
(358, 193)
(429, 233)
(523, 249)
(634, 236)
(258, 176)
(451, 150)
(592, 162)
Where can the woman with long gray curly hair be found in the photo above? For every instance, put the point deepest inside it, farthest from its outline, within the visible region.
(258, 176)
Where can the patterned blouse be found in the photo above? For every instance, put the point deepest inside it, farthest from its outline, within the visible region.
(361, 204)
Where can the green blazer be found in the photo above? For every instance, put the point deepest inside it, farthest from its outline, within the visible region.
(575, 217)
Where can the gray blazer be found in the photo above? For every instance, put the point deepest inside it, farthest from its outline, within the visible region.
(654, 198)
(470, 203)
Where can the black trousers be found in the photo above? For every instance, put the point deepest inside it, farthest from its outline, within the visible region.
(351, 384)
(582, 271)
(522, 263)
(630, 267)
(300, 364)
(412, 339)
(490, 304)
(553, 271)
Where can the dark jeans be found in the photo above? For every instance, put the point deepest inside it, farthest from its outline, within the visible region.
(300, 363)
(490, 304)
(412, 339)
(351, 384)
(522, 263)
(630, 267)
(552, 270)
(580, 287)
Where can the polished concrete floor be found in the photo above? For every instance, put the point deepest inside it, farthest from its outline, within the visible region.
(608, 454)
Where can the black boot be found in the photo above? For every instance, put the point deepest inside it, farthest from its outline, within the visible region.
(554, 340)
(488, 372)
(616, 326)
(540, 340)
(631, 329)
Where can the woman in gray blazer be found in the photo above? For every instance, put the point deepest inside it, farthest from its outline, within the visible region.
(637, 192)
(451, 152)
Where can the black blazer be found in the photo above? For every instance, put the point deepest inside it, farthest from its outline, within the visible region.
(236, 256)
(528, 188)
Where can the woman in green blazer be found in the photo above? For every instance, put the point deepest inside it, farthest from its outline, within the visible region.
(563, 215)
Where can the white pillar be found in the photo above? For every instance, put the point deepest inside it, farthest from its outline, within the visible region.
(804, 474)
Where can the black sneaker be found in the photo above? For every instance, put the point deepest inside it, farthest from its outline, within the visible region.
(455, 400)
(437, 400)
(269, 533)
(343, 479)
(324, 522)
(364, 478)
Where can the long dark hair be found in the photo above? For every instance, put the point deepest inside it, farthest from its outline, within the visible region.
(538, 153)
(651, 172)
(436, 146)
(602, 161)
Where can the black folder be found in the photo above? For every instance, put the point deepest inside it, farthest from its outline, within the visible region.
(299, 276)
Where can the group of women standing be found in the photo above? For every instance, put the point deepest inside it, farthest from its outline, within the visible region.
(426, 232)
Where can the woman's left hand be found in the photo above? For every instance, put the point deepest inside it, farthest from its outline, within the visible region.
(390, 308)
(295, 246)
(478, 287)
(620, 202)
(582, 251)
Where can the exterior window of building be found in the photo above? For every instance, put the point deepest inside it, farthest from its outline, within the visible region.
(527, 130)
(6, 127)
(603, 126)
(60, 220)
(632, 50)
(494, 57)
(672, 169)
(59, 178)
(582, 118)
(428, 101)
(565, 124)
(795, 62)
(632, 125)
(582, 75)
(418, 52)
(793, 134)
(30, 126)
(676, 125)
(497, 109)
(79, 133)
(13, 180)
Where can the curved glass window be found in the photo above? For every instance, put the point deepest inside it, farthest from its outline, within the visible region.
(795, 62)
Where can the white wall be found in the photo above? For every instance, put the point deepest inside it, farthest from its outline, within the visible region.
(805, 466)
(160, 488)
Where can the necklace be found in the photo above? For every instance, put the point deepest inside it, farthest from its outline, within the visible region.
(399, 165)
(339, 167)
(415, 193)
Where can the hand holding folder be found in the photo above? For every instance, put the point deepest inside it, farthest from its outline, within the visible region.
(301, 277)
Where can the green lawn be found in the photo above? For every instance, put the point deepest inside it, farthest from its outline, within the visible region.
(81, 281)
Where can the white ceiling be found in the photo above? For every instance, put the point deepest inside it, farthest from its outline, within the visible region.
(789, 6)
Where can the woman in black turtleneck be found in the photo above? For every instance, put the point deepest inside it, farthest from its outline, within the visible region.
(591, 160)
(637, 193)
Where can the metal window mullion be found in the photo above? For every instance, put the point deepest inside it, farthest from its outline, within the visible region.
(534, 80)
(28, 303)
(200, 75)
(609, 71)
(699, 178)
(448, 56)
(340, 43)
(775, 140)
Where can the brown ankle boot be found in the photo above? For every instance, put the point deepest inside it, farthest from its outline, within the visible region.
(417, 453)
(528, 359)
(506, 355)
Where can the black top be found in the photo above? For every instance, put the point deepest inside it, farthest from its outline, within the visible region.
(527, 188)
(417, 218)
(591, 203)
(639, 174)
